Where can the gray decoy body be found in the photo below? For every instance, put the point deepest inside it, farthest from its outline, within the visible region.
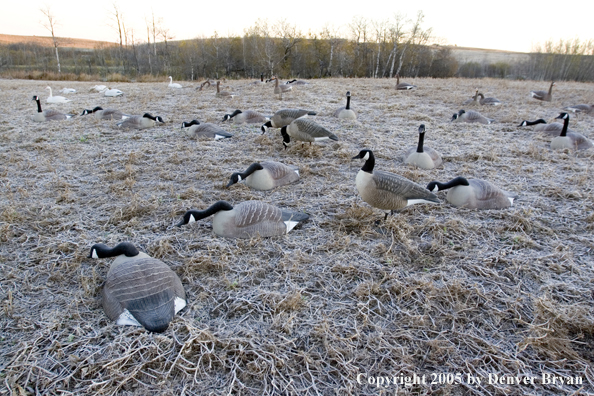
(48, 114)
(581, 109)
(279, 89)
(570, 140)
(388, 191)
(204, 130)
(284, 117)
(488, 101)
(346, 113)
(471, 116)
(543, 95)
(140, 121)
(106, 114)
(296, 82)
(246, 220)
(223, 94)
(266, 175)
(552, 129)
(423, 157)
(305, 130)
(246, 117)
(139, 290)
(403, 86)
(113, 92)
(473, 99)
(473, 193)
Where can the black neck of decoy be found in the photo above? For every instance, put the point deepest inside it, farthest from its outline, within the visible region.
(104, 251)
(251, 169)
(421, 140)
(458, 181)
(235, 113)
(348, 105)
(201, 214)
(189, 124)
(147, 115)
(262, 77)
(286, 137)
(267, 124)
(35, 98)
(530, 123)
(97, 109)
(565, 118)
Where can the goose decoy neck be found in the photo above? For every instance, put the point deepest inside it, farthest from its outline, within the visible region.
(437, 186)
(36, 98)
(100, 250)
(262, 77)
(188, 124)
(235, 113)
(530, 123)
(348, 105)
(421, 138)
(286, 137)
(194, 215)
(369, 158)
(565, 118)
(239, 176)
(267, 125)
(97, 108)
(455, 117)
(461, 112)
(551, 87)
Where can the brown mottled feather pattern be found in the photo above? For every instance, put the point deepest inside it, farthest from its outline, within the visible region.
(109, 114)
(280, 171)
(284, 117)
(306, 130)
(252, 212)
(250, 117)
(401, 189)
(54, 115)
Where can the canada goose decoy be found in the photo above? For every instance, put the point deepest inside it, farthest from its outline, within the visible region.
(471, 116)
(296, 82)
(106, 114)
(56, 99)
(223, 94)
(98, 88)
(280, 89)
(139, 290)
(473, 99)
(305, 130)
(284, 117)
(48, 115)
(403, 86)
(204, 84)
(67, 90)
(488, 101)
(423, 157)
(265, 175)
(206, 130)
(246, 117)
(581, 108)
(246, 220)
(473, 193)
(570, 140)
(346, 113)
(388, 191)
(543, 95)
(552, 129)
(140, 122)
(260, 81)
(113, 92)
(173, 85)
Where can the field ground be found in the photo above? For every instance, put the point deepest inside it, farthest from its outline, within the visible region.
(433, 290)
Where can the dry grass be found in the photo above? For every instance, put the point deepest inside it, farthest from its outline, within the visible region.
(433, 289)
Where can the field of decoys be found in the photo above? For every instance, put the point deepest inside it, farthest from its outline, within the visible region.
(437, 227)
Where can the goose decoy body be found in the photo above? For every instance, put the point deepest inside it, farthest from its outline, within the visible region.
(140, 121)
(296, 82)
(403, 86)
(280, 89)
(423, 157)
(284, 117)
(139, 290)
(552, 129)
(246, 220)
(581, 108)
(67, 90)
(473, 99)
(106, 114)
(388, 191)
(247, 117)
(266, 175)
(488, 101)
(471, 116)
(543, 95)
(473, 193)
(98, 88)
(56, 99)
(346, 113)
(173, 85)
(223, 94)
(206, 130)
(570, 140)
(305, 130)
(260, 81)
(48, 115)
(113, 92)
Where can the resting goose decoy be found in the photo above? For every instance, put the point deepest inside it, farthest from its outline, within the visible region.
(471, 116)
(284, 117)
(388, 191)
(106, 114)
(266, 175)
(140, 121)
(473, 99)
(206, 130)
(113, 92)
(67, 90)
(543, 95)
(173, 85)
(473, 193)
(403, 86)
(246, 220)
(280, 89)
(48, 115)
(581, 108)
(552, 129)
(98, 88)
(423, 157)
(260, 81)
(139, 290)
(296, 82)
(246, 117)
(570, 140)
(346, 113)
(305, 130)
(56, 99)
(223, 94)
(488, 101)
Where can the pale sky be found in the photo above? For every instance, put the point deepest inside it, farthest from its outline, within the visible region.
(504, 24)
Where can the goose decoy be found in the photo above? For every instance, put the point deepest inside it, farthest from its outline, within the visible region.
(260, 81)
(207, 130)
(488, 101)
(113, 92)
(173, 85)
(284, 117)
(473, 99)
(403, 86)
(139, 290)
(140, 122)
(543, 95)
(265, 175)
(388, 191)
(471, 116)
(98, 88)
(305, 130)
(67, 90)
(296, 82)
(581, 108)
(223, 94)
(346, 113)
(552, 129)
(570, 140)
(246, 220)
(423, 157)
(247, 117)
(48, 115)
(473, 193)
(106, 114)
(280, 89)
(56, 99)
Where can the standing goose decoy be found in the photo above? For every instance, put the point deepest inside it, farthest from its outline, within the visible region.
(473, 194)
(581, 108)
(305, 130)
(140, 122)
(543, 95)
(388, 191)
(423, 157)
(284, 117)
(488, 101)
(471, 116)
(173, 85)
(473, 99)
(223, 94)
(67, 90)
(139, 290)
(56, 99)
(403, 86)
(570, 140)
(113, 92)
(207, 130)
(552, 129)
(346, 113)
(48, 115)
(106, 114)
(280, 89)
(246, 220)
(266, 175)
(248, 117)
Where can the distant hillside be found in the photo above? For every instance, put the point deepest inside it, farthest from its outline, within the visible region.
(47, 41)
(481, 55)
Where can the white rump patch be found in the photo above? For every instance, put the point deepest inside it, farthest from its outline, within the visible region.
(511, 200)
(416, 201)
(180, 304)
(297, 171)
(290, 225)
(218, 137)
(321, 138)
(126, 319)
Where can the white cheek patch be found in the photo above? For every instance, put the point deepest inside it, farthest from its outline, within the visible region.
(239, 178)
(179, 303)
(126, 319)
(290, 225)
(192, 219)
(366, 156)
(94, 254)
(435, 189)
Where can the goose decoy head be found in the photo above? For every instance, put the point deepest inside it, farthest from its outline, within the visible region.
(100, 250)
(562, 116)
(363, 154)
(189, 124)
(35, 97)
(455, 117)
(435, 186)
(235, 178)
(422, 128)
(264, 127)
(286, 137)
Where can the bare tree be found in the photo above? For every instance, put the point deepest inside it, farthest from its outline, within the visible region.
(117, 17)
(50, 25)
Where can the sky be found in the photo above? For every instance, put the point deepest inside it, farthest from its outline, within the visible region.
(503, 25)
